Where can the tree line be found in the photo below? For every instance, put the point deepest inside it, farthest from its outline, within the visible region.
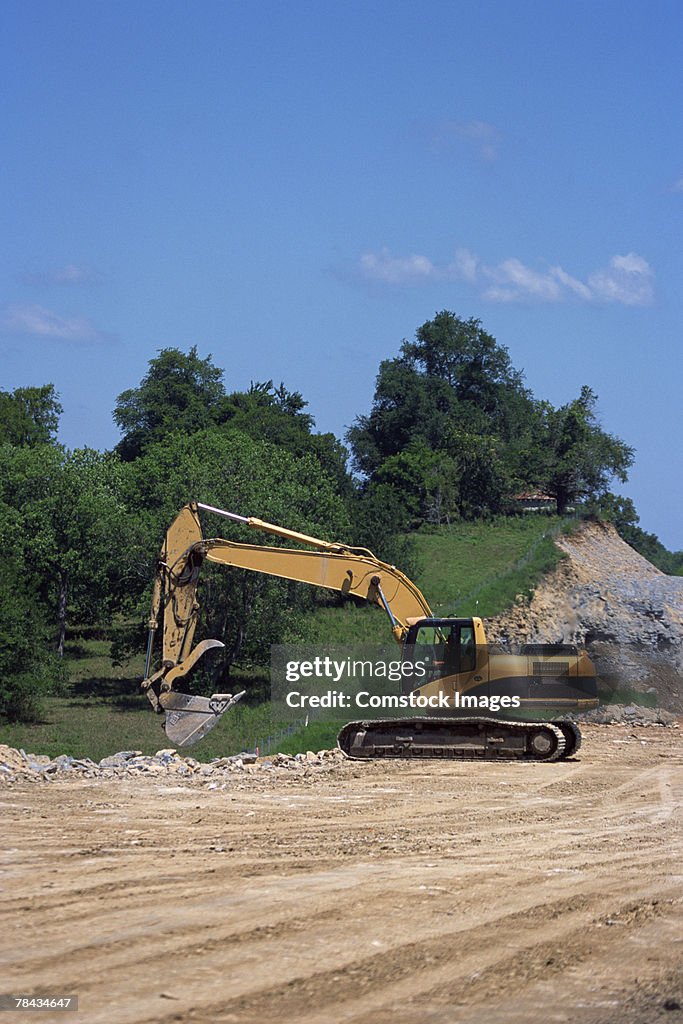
(453, 433)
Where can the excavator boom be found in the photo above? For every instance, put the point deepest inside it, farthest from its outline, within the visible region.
(348, 570)
(354, 575)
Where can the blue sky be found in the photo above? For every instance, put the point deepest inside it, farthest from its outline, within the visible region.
(296, 187)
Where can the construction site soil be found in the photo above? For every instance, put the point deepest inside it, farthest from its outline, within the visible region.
(394, 892)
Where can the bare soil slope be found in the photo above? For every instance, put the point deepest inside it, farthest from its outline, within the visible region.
(371, 894)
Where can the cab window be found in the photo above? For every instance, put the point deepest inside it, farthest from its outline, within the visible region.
(447, 649)
(468, 660)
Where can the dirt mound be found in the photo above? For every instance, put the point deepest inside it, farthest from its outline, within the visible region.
(608, 598)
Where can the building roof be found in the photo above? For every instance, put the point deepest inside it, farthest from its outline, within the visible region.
(532, 496)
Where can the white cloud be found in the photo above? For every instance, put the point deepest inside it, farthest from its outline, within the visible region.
(68, 274)
(513, 280)
(38, 322)
(628, 280)
(572, 283)
(481, 135)
(465, 265)
(382, 266)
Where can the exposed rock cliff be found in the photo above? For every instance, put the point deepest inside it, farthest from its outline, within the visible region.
(607, 597)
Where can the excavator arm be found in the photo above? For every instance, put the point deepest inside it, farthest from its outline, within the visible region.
(346, 570)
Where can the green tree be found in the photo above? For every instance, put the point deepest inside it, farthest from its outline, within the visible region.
(185, 393)
(461, 353)
(379, 523)
(424, 483)
(275, 414)
(29, 416)
(580, 457)
(73, 524)
(490, 392)
(407, 407)
(483, 472)
(453, 393)
(271, 413)
(615, 509)
(28, 669)
(180, 392)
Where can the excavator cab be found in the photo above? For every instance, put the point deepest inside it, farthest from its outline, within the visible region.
(446, 646)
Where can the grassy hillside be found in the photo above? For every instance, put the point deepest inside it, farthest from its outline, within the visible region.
(466, 569)
(479, 568)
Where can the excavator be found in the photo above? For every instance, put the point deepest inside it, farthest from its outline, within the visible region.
(460, 666)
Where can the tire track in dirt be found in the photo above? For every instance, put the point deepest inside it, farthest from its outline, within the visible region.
(428, 892)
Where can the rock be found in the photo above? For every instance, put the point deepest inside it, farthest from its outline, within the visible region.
(116, 760)
(12, 758)
(631, 714)
(282, 759)
(15, 764)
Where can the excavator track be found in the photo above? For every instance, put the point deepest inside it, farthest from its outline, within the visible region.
(572, 736)
(464, 739)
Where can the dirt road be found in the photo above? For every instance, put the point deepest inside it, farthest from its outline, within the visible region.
(398, 893)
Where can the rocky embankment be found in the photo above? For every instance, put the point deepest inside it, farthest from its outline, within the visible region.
(609, 599)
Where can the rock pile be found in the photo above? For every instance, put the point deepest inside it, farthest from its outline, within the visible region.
(18, 765)
(627, 714)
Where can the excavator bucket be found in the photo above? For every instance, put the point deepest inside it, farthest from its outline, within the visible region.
(190, 718)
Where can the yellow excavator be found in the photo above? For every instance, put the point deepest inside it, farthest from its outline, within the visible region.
(460, 668)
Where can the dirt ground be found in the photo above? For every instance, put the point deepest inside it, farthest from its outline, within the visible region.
(380, 893)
